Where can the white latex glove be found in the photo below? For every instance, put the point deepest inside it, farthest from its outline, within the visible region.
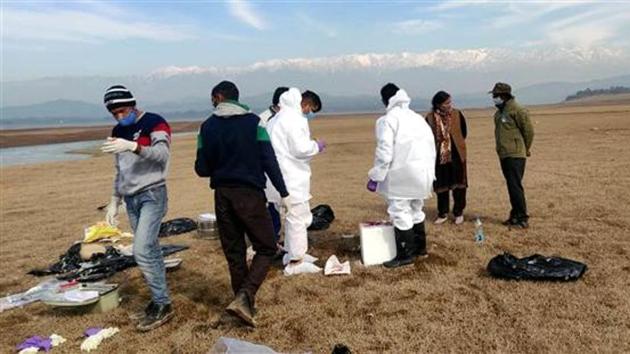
(112, 211)
(118, 145)
(286, 205)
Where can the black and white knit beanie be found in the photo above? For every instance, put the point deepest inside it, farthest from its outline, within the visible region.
(118, 96)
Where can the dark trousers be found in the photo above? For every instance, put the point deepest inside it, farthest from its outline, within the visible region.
(241, 211)
(275, 220)
(459, 202)
(513, 171)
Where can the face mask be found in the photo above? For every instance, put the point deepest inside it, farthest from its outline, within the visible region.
(129, 119)
(497, 100)
(310, 115)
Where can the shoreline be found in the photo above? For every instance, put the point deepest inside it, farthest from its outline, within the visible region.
(23, 137)
(44, 136)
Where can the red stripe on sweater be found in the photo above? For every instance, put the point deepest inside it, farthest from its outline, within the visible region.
(163, 127)
(144, 141)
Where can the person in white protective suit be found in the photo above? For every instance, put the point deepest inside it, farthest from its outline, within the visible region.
(294, 148)
(403, 172)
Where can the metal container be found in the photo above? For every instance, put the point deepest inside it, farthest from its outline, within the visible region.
(207, 226)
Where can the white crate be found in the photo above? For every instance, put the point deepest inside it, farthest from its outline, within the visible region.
(378, 243)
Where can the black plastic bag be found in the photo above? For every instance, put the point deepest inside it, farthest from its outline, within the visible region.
(323, 215)
(99, 267)
(535, 267)
(177, 226)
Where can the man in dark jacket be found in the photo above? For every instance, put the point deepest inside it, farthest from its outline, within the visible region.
(514, 135)
(234, 150)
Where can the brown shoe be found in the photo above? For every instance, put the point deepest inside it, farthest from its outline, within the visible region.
(241, 307)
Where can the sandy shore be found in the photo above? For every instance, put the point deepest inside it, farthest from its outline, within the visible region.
(578, 188)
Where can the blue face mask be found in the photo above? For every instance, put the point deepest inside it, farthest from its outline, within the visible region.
(310, 115)
(129, 119)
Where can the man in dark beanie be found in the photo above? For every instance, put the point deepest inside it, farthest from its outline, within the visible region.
(140, 144)
(234, 150)
(514, 135)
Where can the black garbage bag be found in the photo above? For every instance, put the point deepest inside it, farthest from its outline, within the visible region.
(69, 261)
(177, 226)
(323, 215)
(341, 349)
(535, 267)
(100, 266)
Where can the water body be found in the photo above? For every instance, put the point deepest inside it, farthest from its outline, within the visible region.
(25, 155)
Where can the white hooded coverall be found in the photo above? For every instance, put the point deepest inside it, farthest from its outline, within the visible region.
(404, 161)
(291, 140)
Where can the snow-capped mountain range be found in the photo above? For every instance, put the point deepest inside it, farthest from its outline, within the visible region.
(537, 74)
(442, 59)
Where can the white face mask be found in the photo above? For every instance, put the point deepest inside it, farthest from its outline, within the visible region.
(497, 100)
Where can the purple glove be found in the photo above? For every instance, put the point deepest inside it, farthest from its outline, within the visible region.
(92, 331)
(37, 342)
(321, 145)
(371, 185)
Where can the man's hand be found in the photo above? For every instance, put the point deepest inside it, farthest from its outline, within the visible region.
(112, 211)
(118, 145)
(371, 186)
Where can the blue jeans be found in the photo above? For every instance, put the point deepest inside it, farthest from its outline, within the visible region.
(146, 210)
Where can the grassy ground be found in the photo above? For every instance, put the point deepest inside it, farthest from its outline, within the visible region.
(578, 188)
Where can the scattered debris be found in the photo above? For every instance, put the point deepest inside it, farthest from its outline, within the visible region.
(37, 343)
(96, 336)
(100, 266)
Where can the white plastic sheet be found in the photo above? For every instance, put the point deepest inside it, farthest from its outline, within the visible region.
(226, 345)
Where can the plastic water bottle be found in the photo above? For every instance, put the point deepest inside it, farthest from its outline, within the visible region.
(479, 235)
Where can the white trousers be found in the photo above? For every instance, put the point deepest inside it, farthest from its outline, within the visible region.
(295, 236)
(404, 213)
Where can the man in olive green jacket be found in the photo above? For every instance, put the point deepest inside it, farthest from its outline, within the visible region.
(514, 135)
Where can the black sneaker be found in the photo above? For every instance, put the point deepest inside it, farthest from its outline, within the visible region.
(520, 225)
(509, 222)
(140, 314)
(157, 316)
(241, 307)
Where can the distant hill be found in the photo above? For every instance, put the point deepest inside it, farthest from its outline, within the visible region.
(63, 112)
(613, 90)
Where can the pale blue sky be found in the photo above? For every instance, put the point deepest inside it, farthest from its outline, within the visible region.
(60, 38)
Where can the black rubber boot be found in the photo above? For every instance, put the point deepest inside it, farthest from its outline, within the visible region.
(420, 238)
(405, 249)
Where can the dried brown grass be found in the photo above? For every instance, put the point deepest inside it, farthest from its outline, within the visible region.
(578, 189)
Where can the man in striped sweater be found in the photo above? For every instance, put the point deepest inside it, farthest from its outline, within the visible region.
(140, 144)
